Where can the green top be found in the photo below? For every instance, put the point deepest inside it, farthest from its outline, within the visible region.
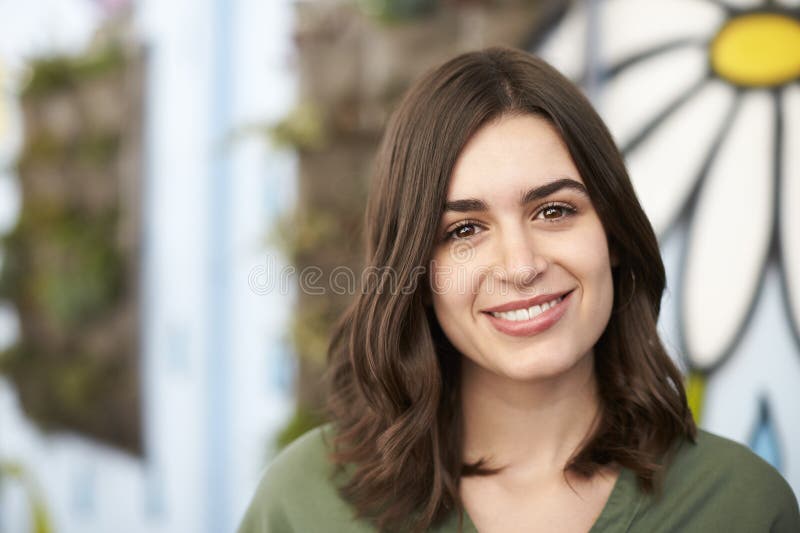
(713, 485)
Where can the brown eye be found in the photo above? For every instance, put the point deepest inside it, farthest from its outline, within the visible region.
(556, 212)
(553, 212)
(464, 231)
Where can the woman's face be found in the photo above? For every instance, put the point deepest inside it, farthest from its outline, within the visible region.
(521, 272)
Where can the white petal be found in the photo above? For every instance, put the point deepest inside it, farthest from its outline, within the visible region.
(789, 195)
(633, 97)
(565, 47)
(665, 167)
(790, 3)
(631, 26)
(730, 233)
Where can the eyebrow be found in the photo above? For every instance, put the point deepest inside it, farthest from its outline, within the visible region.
(537, 193)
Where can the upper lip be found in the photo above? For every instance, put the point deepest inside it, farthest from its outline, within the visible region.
(529, 302)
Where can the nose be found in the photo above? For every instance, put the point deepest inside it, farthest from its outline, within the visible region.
(520, 260)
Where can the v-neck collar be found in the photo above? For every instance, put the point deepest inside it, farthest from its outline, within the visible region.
(617, 514)
(621, 506)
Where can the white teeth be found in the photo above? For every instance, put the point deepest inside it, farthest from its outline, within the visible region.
(518, 315)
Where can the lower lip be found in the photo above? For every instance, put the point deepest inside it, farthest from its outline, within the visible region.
(537, 324)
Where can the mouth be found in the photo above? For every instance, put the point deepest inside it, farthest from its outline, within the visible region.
(527, 321)
(527, 313)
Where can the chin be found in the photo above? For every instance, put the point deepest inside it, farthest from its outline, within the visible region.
(539, 366)
(540, 374)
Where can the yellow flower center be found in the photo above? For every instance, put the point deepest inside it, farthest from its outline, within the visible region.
(758, 50)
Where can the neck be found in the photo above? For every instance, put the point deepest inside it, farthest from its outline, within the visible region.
(529, 428)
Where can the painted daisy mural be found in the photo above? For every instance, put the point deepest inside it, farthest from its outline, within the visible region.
(703, 98)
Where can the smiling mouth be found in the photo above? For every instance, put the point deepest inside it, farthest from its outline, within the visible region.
(521, 315)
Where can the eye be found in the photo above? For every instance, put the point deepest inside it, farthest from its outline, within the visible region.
(555, 212)
(464, 230)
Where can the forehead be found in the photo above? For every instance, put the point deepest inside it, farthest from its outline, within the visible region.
(509, 155)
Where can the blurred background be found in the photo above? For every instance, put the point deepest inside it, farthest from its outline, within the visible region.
(171, 172)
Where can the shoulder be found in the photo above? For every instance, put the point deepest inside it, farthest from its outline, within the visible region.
(304, 461)
(719, 460)
(297, 491)
(718, 483)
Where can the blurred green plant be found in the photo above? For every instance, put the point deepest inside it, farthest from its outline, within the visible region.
(300, 233)
(62, 262)
(310, 237)
(64, 274)
(390, 11)
(62, 72)
(310, 328)
(39, 520)
(94, 148)
(303, 128)
(65, 267)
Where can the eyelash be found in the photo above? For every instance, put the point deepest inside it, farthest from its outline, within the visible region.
(568, 212)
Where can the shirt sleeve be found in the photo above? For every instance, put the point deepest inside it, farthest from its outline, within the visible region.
(787, 519)
(266, 512)
(720, 485)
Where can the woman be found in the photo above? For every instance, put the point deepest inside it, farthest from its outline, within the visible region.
(503, 372)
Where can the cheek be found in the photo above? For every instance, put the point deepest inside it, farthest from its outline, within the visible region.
(453, 286)
(583, 252)
(451, 273)
(593, 266)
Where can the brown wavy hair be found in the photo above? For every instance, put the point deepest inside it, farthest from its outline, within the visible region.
(394, 396)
